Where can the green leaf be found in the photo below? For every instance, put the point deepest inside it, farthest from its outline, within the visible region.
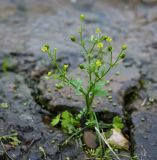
(67, 119)
(11, 139)
(77, 84)
(15, 141)
(65, 124)
(68, 122)
(66, 115)
(101, 83)
(98, 91)
(117, 123)
(101, 93)
(56, 120)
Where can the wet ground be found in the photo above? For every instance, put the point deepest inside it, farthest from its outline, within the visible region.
(25, 25)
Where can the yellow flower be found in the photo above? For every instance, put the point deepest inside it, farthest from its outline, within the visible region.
(97, 30)
(109, 39)
(49, 73)
(100, 45)
(65, 66)
(98, 63)
(45, 48)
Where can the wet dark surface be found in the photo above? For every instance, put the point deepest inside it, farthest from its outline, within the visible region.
(25, 25)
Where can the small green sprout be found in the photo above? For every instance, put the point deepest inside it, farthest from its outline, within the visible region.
(117, 123)
(5, 64)
(56, 120)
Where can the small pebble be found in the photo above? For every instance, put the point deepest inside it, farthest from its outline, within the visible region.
(69, 96)
(90, 139)
(109, 97)
(53, 141)
(117, 73)
(108, 82)
(142, 119)
(67, 158)
(109, 90)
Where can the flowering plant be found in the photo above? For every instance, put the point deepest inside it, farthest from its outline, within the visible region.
(98, 53)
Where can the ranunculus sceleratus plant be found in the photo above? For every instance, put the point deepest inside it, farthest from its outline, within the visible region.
(98, 54)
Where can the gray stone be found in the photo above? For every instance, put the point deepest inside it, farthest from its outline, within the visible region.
(19, 117)
(90, 139)
(59, 99)
(144, 134)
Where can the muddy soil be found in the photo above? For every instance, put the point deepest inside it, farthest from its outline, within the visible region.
(25, 25)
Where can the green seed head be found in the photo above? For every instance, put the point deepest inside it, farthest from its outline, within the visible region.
(81, 66)
(98, 63)
(124, 47)
(123, 55)
(110, 48)
(82, 17)
(73, 38)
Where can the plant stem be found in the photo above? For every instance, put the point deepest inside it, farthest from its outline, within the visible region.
(73, 135)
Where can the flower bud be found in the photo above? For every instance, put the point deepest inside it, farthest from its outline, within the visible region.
(82, 17)
(98, 31)
(73, 38)
(45, 48)
(100, 45)
(109, 39)
(98, 63)
(103, 38)
(110, 48)
(65, 67)
(81, 66)
(122, 55)
(49, 73)
(124, 47)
